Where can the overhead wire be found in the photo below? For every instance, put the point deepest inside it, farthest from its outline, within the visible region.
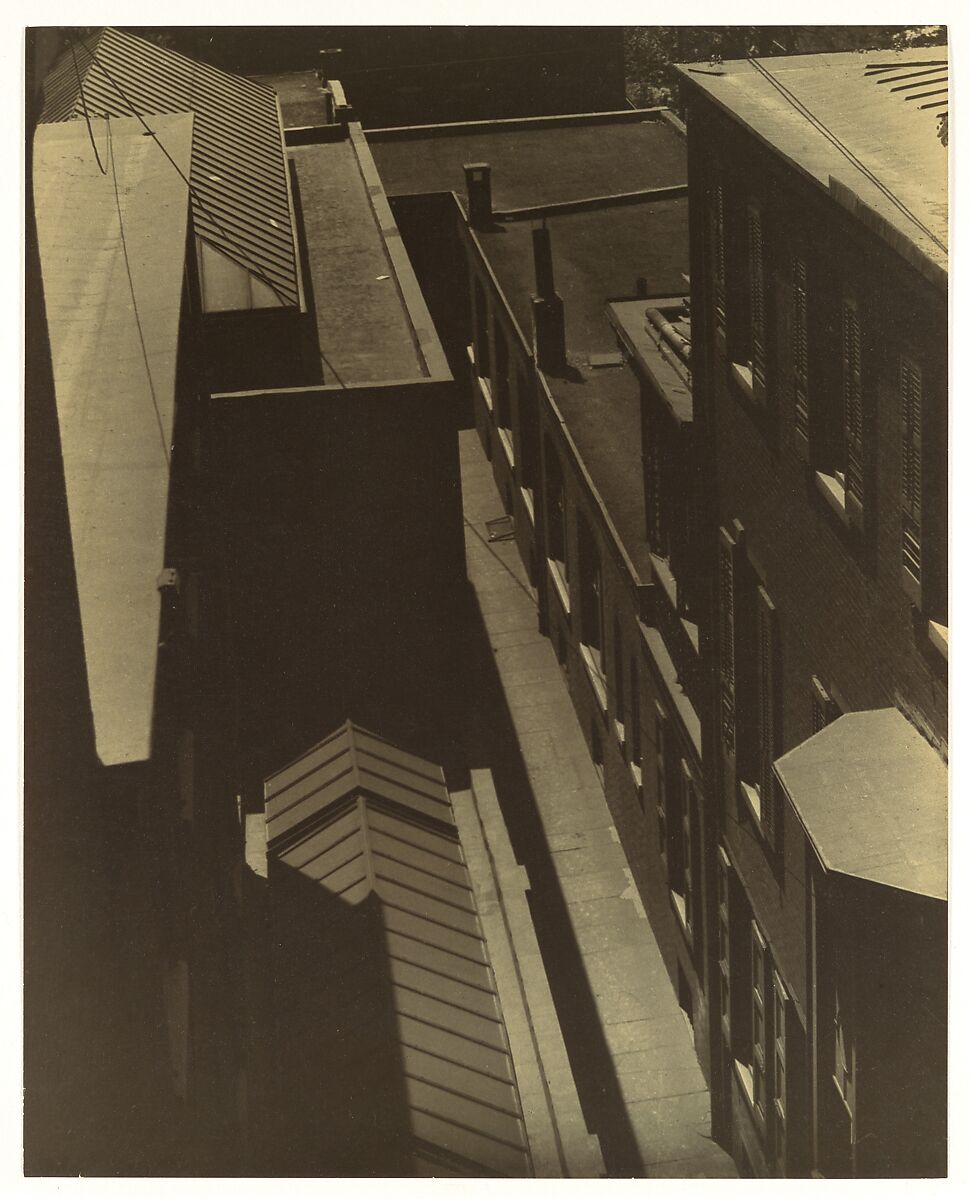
(260, 275)
(87, 118)
(134, 298)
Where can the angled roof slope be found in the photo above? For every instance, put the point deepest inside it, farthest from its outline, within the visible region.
(861, 120)
(364, 820)
(872, 796)
(112, 253)
(241, 205)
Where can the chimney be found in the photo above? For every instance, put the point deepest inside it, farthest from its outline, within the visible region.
(478, 188)
(548, 316)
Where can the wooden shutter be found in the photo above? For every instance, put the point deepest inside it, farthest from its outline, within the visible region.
(767, 710)
(911, 391)
(799, 343)
(756, 279)
(718, 257)
(852, 413)
(824, 708)
(660, 727)
(726, 624)
(779, 1083)
(687, 846)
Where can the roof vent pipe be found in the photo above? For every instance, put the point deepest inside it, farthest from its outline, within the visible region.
(478, 188)
(542, 253)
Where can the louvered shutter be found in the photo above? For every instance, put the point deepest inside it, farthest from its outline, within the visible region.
(767, 711)
(800, 350)
(726, 547)
(756, 275)
(911, 390)
(852, 411)
(718, 256)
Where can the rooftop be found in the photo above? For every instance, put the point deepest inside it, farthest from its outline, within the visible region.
(656, 335)
(366, 821)
(112, 253)
(539, 161)
(371, 321)
(863, 124)
(598, 255)
(241, 205)
(872, 796)
(300, 95)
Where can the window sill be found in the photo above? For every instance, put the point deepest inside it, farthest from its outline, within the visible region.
(752, 797)
(742, 376)
(680, 908)
(939, 636)
(529, 503)
(637, 772)
(834, 495)
(620, 730)
(505, 437)
(560, 582)
(593, 670)
(746, 1079)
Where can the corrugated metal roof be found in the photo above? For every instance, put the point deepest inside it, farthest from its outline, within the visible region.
(361, 818)
(838, 118)
(112, 254)
(872, 796)
(241, 203)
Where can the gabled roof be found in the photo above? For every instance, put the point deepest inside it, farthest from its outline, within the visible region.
(871, 794)
(241, 203)
(112, 255)
(368, 822)
(858, 122)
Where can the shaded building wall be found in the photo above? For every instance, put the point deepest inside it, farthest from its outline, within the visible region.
(341, 517)
(844, 614)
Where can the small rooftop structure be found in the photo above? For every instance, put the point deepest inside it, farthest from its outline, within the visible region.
(374, 828)
(242, 211)
(862, 124)
(871, 794)
(112, 254)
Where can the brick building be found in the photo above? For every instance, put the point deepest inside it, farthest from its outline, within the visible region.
(819, 360)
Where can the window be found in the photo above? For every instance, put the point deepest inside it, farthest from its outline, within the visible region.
(725, 583)
(635, 747)
(844, 1052)
(718, 258)
(911, 394)
(759, 1023)
(691, 871)
(502, 392)
(852, 409)
(591, 609)
(756, 286)
(528, 430)
(677, 826)
(799, 346)
(724, 938)
(555, 517)
(662, 738)
(767, 713)
(483, 363)
(619, 700)
(824, 708)
(780, 1072)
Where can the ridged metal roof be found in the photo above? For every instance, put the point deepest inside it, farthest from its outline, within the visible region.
(362, 819)
(241, 202)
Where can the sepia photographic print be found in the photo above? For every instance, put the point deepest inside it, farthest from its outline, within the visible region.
(486, 621)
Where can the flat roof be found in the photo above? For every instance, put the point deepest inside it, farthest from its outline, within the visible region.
(543, 161)
(112, 253)
(598, 255)
(871, 794)
(370, 318)
(863, 119)
(301, 97)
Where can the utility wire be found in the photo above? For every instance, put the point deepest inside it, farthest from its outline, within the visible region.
(94, 146)
(134, 301)
(325, 362)
(843, 149)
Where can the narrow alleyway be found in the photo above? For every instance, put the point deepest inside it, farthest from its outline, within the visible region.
(629, 1042)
